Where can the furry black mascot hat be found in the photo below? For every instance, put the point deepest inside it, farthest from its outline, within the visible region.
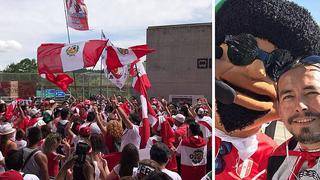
(283, 23)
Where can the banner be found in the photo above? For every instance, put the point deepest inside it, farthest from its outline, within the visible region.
(77, 15)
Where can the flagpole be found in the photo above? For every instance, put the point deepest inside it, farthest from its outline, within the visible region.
(65, 15)
(68, 33)
(101, 68)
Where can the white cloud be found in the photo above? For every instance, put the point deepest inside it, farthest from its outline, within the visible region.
(125, 22)
(9, 45)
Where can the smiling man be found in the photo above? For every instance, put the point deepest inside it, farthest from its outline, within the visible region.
(298, 88)
(254, 38)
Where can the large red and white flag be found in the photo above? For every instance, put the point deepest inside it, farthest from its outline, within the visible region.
(58, 58)
(140, 80)
(61, 80)
(77, 15)
(118, 57)
(117, 76)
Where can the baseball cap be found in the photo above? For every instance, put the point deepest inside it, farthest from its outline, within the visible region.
(34, 111)
(179, 117)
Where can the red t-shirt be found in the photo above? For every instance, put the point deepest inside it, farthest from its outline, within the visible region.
(23, 124)
(53, 164)
(32, 122)
(253, 165)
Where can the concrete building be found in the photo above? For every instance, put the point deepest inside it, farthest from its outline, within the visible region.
(181, 66)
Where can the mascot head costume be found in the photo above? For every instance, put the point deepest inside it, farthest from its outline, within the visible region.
(253, 38)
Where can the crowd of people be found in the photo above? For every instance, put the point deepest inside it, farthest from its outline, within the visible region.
(104, 138)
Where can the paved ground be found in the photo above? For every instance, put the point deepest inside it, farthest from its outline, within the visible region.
(281, 133)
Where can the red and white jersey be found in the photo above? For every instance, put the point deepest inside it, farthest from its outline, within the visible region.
(250, 168)
(193, 151)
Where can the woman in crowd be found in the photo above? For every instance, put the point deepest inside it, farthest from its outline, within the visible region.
(6, 138)
(129, 159)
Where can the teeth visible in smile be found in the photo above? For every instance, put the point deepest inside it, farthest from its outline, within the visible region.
(303, 120)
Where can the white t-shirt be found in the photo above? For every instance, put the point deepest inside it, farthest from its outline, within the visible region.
(29, 176)
(21, 144)
(172, 174)
(93, 127)
(131, 136)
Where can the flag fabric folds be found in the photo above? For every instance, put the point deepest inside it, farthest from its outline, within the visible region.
(140, 79)
(118, 57)
(58, 58)
(61, 80)
(77, 15)
(117, 76)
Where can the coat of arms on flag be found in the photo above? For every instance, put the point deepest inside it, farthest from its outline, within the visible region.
(72, 50)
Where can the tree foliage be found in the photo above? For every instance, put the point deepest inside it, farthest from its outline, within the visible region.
(24, 66)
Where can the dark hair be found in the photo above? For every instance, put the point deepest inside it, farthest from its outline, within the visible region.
(155, 175)
(20, 134)
(97, 143)
(195, 128)
(3, 108)
(283, 23)
(64, 113)
(45, 130)
(129, 159)
(184, 111)
(14, 160)
(34, 135)
(160, 153)
(91, 116)
(134, 118)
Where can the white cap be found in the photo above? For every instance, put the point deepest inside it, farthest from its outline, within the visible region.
(34, 111)
(51, 101)
(180, 118)
(200, 111)
(6, 128)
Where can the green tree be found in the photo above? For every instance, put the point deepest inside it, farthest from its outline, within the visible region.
(24, 66)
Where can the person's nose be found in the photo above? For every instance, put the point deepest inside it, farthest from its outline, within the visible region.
(301, 106)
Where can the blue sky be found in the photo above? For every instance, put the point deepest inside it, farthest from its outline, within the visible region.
(27, 24)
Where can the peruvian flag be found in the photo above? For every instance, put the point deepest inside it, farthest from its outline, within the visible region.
(77, 15)
(61, 80)
(140, 80)
(141, 83)
(58, 58)
(118, 57)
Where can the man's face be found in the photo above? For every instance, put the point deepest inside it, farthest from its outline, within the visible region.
(299, 103)
(255, 93)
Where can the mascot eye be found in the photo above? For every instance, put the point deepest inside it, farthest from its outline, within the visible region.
(242, 49)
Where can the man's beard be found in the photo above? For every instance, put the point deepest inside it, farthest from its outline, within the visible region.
(305, 136)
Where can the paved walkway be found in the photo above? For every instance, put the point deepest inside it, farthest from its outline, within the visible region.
(281, 134)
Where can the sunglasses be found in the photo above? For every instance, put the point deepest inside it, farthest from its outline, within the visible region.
(220, 164)
(243, 50)
(309, 60)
